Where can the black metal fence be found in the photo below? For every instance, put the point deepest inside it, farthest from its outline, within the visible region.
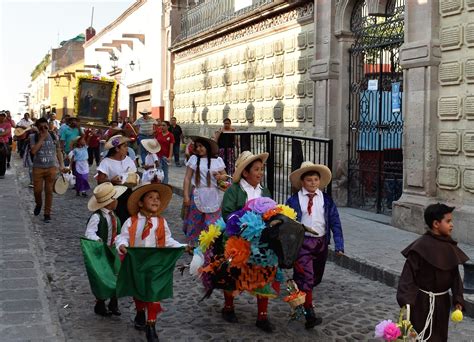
(287, 152)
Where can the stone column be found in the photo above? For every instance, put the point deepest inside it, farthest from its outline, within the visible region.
(330, 73)
(420, 57)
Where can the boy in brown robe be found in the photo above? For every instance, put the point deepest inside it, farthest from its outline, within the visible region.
(431, 269)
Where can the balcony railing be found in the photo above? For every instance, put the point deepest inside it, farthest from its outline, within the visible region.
(213, 13)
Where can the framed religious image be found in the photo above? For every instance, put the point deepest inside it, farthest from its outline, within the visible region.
(95, 99)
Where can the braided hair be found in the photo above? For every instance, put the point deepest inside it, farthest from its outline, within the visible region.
(209, 155)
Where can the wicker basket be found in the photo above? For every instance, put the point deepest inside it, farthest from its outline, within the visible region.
(299, 300)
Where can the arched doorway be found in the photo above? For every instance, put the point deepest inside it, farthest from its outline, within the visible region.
(375, 158)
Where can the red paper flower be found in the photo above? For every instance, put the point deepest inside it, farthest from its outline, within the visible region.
(237, 250)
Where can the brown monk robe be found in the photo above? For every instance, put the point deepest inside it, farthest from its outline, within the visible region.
(431, 265)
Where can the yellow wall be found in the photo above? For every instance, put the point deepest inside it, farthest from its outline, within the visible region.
(65, 88)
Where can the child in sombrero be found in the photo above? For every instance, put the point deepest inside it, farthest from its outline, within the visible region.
(153, 172)
(104, 225)
(147, 228)
(316, 210)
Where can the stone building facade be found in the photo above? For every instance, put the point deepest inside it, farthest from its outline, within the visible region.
(390, 81)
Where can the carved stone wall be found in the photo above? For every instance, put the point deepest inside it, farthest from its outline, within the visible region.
(455, 141)
(257, 76)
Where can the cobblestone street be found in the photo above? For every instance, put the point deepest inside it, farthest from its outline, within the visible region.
(350, 305)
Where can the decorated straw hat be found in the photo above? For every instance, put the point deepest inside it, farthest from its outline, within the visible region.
(306, 166)
(145, 112)
(163, 189)
(115, 141)
(213, 143)
(151, 145)
(105, 194)
(60, 185)
(246, 158)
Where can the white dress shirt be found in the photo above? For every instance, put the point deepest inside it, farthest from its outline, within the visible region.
(251, 192)
(150, 240)
(93, 226)
(315, 221)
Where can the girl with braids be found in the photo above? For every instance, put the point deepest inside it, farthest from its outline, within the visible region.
(201, 200)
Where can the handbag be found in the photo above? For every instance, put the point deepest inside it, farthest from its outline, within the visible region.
(207, 199)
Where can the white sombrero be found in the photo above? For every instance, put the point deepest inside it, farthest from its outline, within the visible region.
(105, 194)
(323, 170)
(245, 158)
(151, 145)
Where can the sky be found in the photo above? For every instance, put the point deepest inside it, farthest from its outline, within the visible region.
(30, 28)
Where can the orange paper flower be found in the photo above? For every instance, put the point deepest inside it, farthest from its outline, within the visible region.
(272, 212)
(238, 250)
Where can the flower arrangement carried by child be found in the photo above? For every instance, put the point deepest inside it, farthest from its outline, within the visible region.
(401, 331)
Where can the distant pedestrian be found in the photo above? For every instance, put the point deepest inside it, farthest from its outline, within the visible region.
(69, 133)
(24, 124)
(317, 211)
(46, 154)
(226, 144)
(5, 134)
(80, 166)
(10, 139)
(432, 269)
(145, 127)
(104, 226)
(177, 132)
(56, 123)
(166, 140)
(93, 136)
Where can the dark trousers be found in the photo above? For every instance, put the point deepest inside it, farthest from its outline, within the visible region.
(94, 153)
(309, 267)
(176, 153)
(10, 142)
(4, 155)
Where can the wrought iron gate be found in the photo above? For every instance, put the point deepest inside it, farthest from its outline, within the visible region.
(375, 108)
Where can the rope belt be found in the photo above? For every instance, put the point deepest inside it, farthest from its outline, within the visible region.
(429, 318)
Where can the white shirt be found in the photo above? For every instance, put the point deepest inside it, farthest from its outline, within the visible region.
(150, 159)
(25, 123)
(217, 164)
(56, 123)
(150, 240)
(93, 226)
(250, 190)
(315, 221)
(112, 167)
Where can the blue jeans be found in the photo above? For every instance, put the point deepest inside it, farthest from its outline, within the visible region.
(164, 166)
(143, 152)
(176, 147)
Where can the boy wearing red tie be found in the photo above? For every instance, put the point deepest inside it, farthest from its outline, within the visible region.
(104, 225)
(316, 210)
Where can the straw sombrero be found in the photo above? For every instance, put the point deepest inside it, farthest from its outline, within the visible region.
(20, 131)
(163, 189)
(151, 145)
(105, 194)
(323, 170)
(115, 141)
(245, 158)
(145, 112)
(60, 185)
(213, 143)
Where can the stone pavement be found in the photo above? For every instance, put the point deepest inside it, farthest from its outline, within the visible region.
(24, 292)
(350, 304)
(372, 245)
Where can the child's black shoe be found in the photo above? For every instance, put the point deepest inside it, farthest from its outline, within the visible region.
(100, 308)
(229, 315)
(140, 320)
(265, 325)
(113, 306)
(151, 335)
(311, 319)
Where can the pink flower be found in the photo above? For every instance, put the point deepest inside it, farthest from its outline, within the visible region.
(391, 332)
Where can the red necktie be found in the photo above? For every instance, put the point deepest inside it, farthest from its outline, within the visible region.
(148, 226)
(114, 227)
(310, 203)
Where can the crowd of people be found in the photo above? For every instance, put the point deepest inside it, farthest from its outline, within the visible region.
(230, 222)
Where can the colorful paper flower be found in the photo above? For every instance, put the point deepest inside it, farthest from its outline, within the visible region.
(391, 332)
(270, 213)
(287, 211)
(254, 226)
(233, 222)
(220, 223)
(207, 237)
(456, 316)
(237, 250)
(260, 205)
(380, 328)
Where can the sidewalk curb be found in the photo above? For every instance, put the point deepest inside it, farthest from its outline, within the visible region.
(365, 268)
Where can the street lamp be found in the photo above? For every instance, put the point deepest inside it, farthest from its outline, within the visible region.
(132, 65)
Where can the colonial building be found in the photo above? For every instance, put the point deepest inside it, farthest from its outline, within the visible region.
(390, 81)
(39, 87)
(133, 50)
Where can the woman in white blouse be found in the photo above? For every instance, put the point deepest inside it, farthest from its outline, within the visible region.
(114, 168)
(201, 199)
